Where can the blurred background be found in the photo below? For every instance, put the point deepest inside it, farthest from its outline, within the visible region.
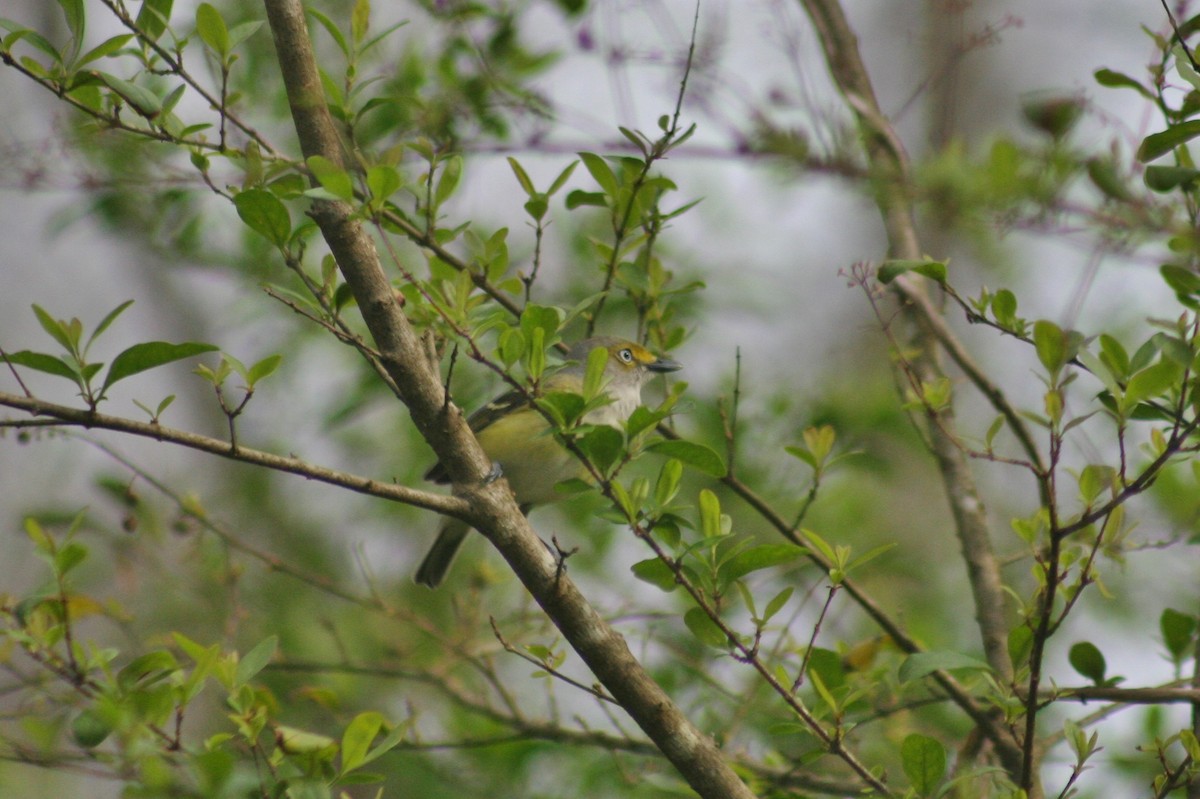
(84, 227)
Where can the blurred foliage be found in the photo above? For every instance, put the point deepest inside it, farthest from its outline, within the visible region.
(252, 634)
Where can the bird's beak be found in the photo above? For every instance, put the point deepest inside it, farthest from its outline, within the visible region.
(664, 365)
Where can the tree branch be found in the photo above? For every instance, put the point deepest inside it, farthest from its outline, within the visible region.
(79, 417)
(892, 194)
(492, 509)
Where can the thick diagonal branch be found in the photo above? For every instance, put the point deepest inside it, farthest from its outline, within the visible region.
(493, 511)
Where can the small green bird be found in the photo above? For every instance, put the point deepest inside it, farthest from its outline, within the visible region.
(516, 436)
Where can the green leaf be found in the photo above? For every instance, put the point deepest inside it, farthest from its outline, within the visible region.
(1020, 644)
(105, 48)
(924, 761)
(1086, 659)
(655, 572)
(1178, 632)
(144, 101)
(1153, 381)
(153, 18)
(1159, 144)
(452, 169)
(265, 214)
(263, 368)
(667, 485)
(213, 32)
(357, 739)
(332, 178)
(73, 11)
(360, 22)
(43, 363)
(256, 659)
(295, 741)
(601, 172)
(57, 329)
(90, 728)
(922, 664)
(1117, 80)
(383, 181)
(710, 514)
(522, 176)
(693, 454)
(705, 629)
(758, 558)
(593, 375)
(776, 604)
(891, 269)
(546, 317)
(146, 670)
(580, 198)
(603, 445)
(1055, 346)
(108, 319)
(1163, 179)
(826, 665)
(330, 28)
(68, 557)
(149, 355)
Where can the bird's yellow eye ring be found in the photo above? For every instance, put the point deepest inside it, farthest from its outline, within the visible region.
(625, 355)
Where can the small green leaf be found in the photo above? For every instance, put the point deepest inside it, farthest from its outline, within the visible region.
(1163, 179)
(1178, 632)
(452, 169)
(57, 329)
(146, 670)
(1153, 381)
(924, 761)
(546, 317)
(332, 178)
(776, 604)
(211, 27)
(1115, 80)
(90, 728)
(357, 739)
(256, 659)
(601, 172)
(758, 558)
(105, 48)
(593, 376)
(1086, 659)
(263, 368)
(522, 176)
(655, 572)
(383, 181)
(1159, 144)
(891, 269)
(693, 454)
(265, 214)
(149, 355)
(360, 23)
(294, 741)
(1055, 346)
(153, 17)
(580, 198)
(705, 629)
(667, 485)
(710, 514)
(68, 557)
(142, 100)
(922, 664)
(603, 445)
(43, 363)
(1020, 644)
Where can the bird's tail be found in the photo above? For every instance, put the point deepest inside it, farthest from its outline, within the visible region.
(437, 560)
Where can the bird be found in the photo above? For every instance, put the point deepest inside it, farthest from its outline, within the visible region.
(518, 439)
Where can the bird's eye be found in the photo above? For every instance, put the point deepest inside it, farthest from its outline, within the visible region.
(625, 355)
